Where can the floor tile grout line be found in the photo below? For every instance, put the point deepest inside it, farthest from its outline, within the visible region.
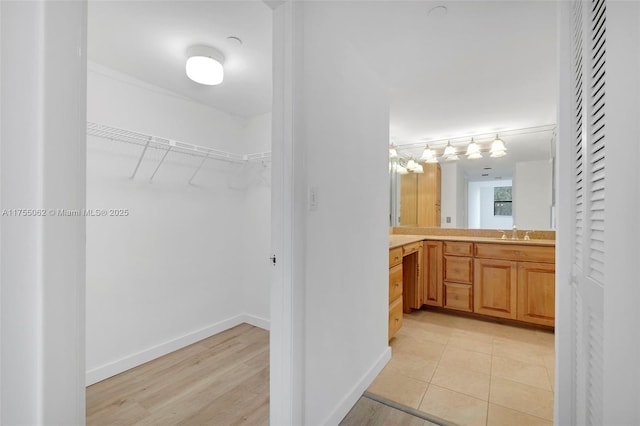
(486, 419)
(522, 412)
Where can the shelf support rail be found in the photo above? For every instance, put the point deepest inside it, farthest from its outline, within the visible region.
(147, 141)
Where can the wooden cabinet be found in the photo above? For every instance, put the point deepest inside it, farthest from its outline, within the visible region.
(519, 252)
(420, 197)
(412, 276)
(495, 287)
(458, 296)
(395, 290)
(432, 273)
(429, 195)
(515, 281)
(457, 267)
(395, 317)
(536, 293)
(505, 280)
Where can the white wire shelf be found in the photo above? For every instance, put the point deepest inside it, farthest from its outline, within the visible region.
(170, 145)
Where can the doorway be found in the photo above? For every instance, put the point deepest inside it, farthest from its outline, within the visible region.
(186, 168)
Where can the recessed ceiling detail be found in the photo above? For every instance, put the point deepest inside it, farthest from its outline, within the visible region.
(235, 41)
(438, 11)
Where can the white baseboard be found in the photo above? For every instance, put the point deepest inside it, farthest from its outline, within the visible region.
(123, 364)
(349, 400)
(259, 322)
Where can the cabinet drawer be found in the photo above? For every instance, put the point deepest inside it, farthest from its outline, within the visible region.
(458, 269)
(395, 282)
(544, 254)
(395, 256)
(395, 317)
(458, 296)
(458, 248)
(411, 248)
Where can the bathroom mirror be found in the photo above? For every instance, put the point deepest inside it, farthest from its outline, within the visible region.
(468, 195)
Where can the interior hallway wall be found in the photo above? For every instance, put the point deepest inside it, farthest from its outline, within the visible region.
(343, 114)
(172, 271)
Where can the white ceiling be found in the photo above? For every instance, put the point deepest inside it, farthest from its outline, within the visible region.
(484, 66)
(149, 40)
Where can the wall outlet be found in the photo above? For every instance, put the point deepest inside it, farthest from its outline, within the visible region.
(448, 219)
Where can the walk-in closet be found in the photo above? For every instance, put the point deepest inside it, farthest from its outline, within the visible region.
(178, 194)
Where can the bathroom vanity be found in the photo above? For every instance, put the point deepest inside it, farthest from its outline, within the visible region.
(482, 275)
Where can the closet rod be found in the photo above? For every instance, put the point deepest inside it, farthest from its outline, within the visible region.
(149, 141)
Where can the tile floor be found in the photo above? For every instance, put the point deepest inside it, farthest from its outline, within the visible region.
(469, 371)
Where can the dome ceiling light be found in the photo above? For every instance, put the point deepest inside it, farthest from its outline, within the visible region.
(205, 65)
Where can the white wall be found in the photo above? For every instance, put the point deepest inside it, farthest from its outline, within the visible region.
(256, 244)
(532, 194)
(344, 115)
(42, 148)
(454, 196)
(172, 271)
(481, 198)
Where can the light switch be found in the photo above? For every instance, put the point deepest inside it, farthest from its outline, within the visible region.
(313, 198)
(448, 219)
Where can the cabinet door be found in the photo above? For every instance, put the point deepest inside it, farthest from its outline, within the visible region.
(536, 292)
(412, 280)
(495, 288)
(395, 283)
(409, 199)
(395, 317)
(429, 195)
(432, 273)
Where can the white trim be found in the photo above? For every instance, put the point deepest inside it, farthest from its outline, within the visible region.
(123, 364)
(350, 399)
(565, 386)
(288, 223)
(257, 321)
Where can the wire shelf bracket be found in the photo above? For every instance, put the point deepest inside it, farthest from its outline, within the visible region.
(169, 145)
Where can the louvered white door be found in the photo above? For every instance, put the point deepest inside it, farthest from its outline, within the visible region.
(587, 277)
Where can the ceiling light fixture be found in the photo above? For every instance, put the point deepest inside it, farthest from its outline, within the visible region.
(204, 65)
(473, 151)
(427, 154)
(497, 148)
(450, 153)
(393, 152)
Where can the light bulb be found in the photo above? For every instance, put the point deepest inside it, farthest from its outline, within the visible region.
(497, 148)
(411, 165)
(393, 152)
(427, 154)
(473, 151)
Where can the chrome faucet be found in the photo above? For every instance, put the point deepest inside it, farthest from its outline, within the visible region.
(514, 233)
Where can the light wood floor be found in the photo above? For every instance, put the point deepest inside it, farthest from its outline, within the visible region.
(222, 380)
